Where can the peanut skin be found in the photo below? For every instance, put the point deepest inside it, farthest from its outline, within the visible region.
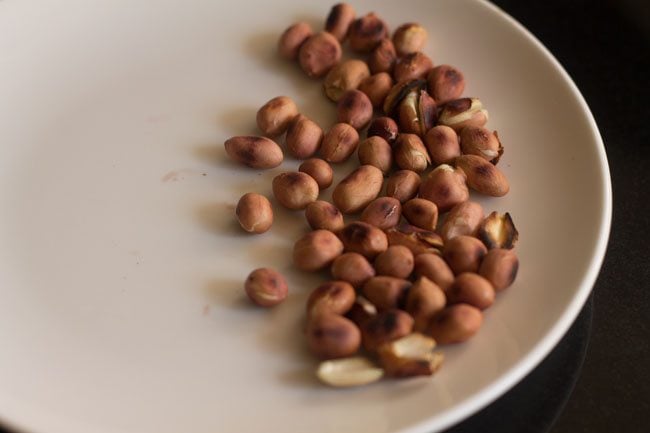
(254, 213)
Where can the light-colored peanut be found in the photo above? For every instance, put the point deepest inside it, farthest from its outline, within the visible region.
(353, 268)
(455, 324)
(339, 143)
(421, 213)
(409, 38)
(320, 170)
(324, 215)
(295, 190)
(472, 289)
(445, 186)
(332, 336)
(382, 212)
(316, 250)
(254, 213)
(318, 54)
(334, 297)
(403, 185)
(266, 287)
(464, 254)
(396, 261)
(358, 189)
(292, 38)
(303, 138)
(376, 151)
(377, 87)
(362, 238)
(443, 145)
(339, 20)
(274, 117)
(354, 108)
(483, 176)
(499, 267)
(434, 267)
(254, 151)
(345, 76)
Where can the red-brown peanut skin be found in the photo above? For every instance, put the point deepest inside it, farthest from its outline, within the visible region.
(464, 254)
(335, 297)
(386, 292)
(434, 268)
(384, 327)
(254, 213)
(421, 213)
(363, 238)
(403, 185)
(382, 212)
(396, 261)
(445, 187)
(442, 143)
(320, 170)
(463, 219)
(318, 54)
(266, 287)
(332, 336)
(316, 250)
(455, 324)
(292, 38)
(425, 299)
(472, 289)
(353, 268)
(254, 151)
(339, 19)
(500, 267)
(324, 215)
(358, 189)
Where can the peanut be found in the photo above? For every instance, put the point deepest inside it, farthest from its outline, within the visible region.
(403, 185)
(362, 238)
(318, 54)
(464, 254)
(500, 268)
(472, 289)
(255, 152)
(324, 215)
(266, 287)
(335, 297)
(421, 213)
(303, 138)
(482, 176)
(320, 170)
(295, 190)
(455, 324)
(316, 250)
(382, 212)
(376, 151)
(396, 261)
(332, 336)
(274, 117)
(254, 213)
(353, 268)
(433, 267)
(339, 143)
(358, 189)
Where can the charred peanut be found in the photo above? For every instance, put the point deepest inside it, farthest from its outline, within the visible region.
(472, 289)
(318, 54)
(455, 324)
(254, 213)
(334, 297)
(477, 140)
(345, 76)
(412, 66)
(462, 219)
(332, 336)
(434, 267)
(362, 310)
(421, 213)
(460, 113)
(498, 231)
(339, 143)
(415, 239)
(382, 212)
(362, 238)
(253, 151)
(410, 356)
(304, 137)
(348, 372)
(339, 19)
(417, 112)
(396, 261)
(482, 176)
(274, 117)
(324, 215)
(464, 254)
(445, 83)
(410, 153)
(353, 268)
(316, 250)
(386, 292)
(366, 33)
(383, 127)
(320, 170)
(358, 189)
(376, 151)
(295, 190)
(425, 299)
(385, 327)
(354, 108)
(377, 87)
(403, 185)
(292, 38)
(266, 287)
(443, 145)
(409, 38)
(445, 186)
(383, 57)
(500, 268)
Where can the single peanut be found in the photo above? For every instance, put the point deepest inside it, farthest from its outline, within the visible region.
(366, 33)
(472, 289)
(464, 254)
(421, 213)
(384, 327)
(266, 287)
(410, 153)
(316, 250)
(445, 83)
(455, 324)
(383, 57)
(443, 145)
(434, 268)
(376, 87)
(382, 212)
(362, 238)
(324, 215)
(358, 189)
(386, 292)
(292, 38)
(295, 190)
(403, 185)
(339, 143)
(253, 151)
(320, 170)
(425, 299)
(383, 127)
(445, 186)
(499, 267)
(482, 176)
(354, 108)
(274, 117)
(409, 38)
(318, 54)
(304, 137)
(412, 66)
(377, 152)
(353, 268)
(334, 297)
(345, 76)
(498, 231)
(332, 336)
(463, 112)
(462, 219)
(480, 141)
(339, 19)
(396, 261)
(254, 213)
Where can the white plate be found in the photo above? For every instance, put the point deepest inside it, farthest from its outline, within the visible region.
(121, 265)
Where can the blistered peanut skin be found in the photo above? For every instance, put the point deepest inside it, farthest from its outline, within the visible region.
(421, 213)
(483, 176)
(403, 185)
(339, 143)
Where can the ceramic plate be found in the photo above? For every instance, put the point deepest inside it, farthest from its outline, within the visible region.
(121, 264)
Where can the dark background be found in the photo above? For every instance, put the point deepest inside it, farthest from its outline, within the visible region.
(598, 378)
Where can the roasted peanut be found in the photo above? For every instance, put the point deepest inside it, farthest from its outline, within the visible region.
(292, 38)
(445, 83)
(396, 261)
(472, 289)
(366, 33)
(348, 372)
(334, 297)
(498, 231)
(477, 140)
(316, 250)
(463, 112)
(274, 117)
(482, 176)
(376, 87)
(500, 268)
(403, 185)
(433, 267)
(332, 336)
(382, 212)
(425, 298)
(464, 254)
(398, 92)
(354, 108)
(443, 145)
(421, 213)
(345, 76)
(353, 268)
(295, 190)
(376, 151)
(383, 127)
(253, 151)
(358, 189)
(455, 324)
(444, 186)
(462, 219)
(320, 170)
(419, 241)
(412, 66)
(339, 19)
(386, 292)
(417, 112)
(409, 38)
(339, 143)
(410, 153)
(384, 327)
(383, 57)
(324, 215)
(304, 137)
(266, 287)
(254, 213)
(362, 238)
(318, 54)
(410, 356)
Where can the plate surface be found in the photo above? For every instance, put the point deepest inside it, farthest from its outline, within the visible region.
(121, 264)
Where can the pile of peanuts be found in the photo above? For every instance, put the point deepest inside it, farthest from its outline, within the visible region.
(402, 281)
